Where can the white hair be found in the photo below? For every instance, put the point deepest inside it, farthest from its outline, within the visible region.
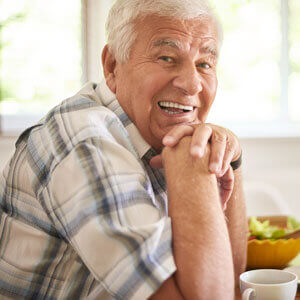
(120, 22)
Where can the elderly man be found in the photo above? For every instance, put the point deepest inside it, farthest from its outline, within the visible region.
(84, 208)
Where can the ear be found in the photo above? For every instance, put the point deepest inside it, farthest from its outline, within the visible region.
(109, 66)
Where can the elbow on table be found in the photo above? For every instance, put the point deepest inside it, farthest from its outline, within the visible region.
(213, 286)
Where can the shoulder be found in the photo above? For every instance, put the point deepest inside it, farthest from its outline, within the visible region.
(75, 120)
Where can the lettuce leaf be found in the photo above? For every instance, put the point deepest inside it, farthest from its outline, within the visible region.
(263, 230)
(292, 224)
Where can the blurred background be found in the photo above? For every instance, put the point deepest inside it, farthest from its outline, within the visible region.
(49, 49)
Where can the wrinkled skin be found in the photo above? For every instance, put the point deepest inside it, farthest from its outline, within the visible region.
(174, 61)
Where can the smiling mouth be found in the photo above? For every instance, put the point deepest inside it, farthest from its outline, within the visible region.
(175, 108)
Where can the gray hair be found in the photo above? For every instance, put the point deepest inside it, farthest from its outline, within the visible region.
(120, 22)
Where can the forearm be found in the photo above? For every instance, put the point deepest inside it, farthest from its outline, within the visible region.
(237, 225)
(200, 238)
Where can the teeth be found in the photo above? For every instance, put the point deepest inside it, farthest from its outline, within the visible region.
(175, 105)
(171, 112)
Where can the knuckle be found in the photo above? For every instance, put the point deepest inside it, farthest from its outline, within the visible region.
(232, 139)
(233, 149)
(219, 138)
(230, 148)
(207, 128)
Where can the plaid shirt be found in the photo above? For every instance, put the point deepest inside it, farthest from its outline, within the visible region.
(82, 214)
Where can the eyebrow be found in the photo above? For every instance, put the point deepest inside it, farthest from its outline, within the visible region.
(166, 42)
(175, 44)
(210, 50)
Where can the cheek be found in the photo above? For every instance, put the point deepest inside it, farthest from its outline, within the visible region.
(153, 80)
(211, 84)
(208, 96)
(148, 88)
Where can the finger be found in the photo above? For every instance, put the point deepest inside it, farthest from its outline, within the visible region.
(226, 184)
(200, 139)
(156, 162)
(176, 134)
(227, 159)
(233, 149)
(218, 147)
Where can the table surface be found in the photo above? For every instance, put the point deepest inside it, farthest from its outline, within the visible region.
(239, 297)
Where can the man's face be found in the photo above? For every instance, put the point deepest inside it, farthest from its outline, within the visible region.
(170, 77)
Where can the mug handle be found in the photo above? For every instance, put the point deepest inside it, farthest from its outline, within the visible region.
(247, 293)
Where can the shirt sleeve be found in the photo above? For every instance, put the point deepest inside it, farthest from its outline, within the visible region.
(100, 202)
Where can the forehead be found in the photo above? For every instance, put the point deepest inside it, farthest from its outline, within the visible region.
(154, 31)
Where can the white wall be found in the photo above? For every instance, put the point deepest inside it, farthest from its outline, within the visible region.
(274, 163)
(266, 162)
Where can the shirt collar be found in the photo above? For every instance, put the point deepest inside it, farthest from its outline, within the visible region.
(108, 99)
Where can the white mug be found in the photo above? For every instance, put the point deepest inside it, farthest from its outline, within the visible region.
(268, 284)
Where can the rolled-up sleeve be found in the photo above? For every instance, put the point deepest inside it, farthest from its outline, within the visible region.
(101, 204)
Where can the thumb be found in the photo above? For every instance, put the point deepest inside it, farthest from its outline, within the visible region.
(156, 162)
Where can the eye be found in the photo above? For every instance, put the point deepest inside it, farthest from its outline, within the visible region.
(204, 65)
(166, 59)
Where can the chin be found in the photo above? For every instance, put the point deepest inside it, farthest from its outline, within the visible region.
(156, 143)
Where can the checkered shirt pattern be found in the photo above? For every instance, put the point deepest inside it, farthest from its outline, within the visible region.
(82, 213)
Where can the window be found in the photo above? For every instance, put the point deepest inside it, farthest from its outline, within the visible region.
(259, 68)
(41, 58)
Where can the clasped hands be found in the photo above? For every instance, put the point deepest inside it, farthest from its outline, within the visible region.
(224, 148)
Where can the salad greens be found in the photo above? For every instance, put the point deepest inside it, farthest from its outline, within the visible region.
(263, 230)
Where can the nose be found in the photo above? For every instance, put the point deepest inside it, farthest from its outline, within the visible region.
(188, 80)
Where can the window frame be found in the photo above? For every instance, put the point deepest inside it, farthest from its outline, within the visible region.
(93, 26)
